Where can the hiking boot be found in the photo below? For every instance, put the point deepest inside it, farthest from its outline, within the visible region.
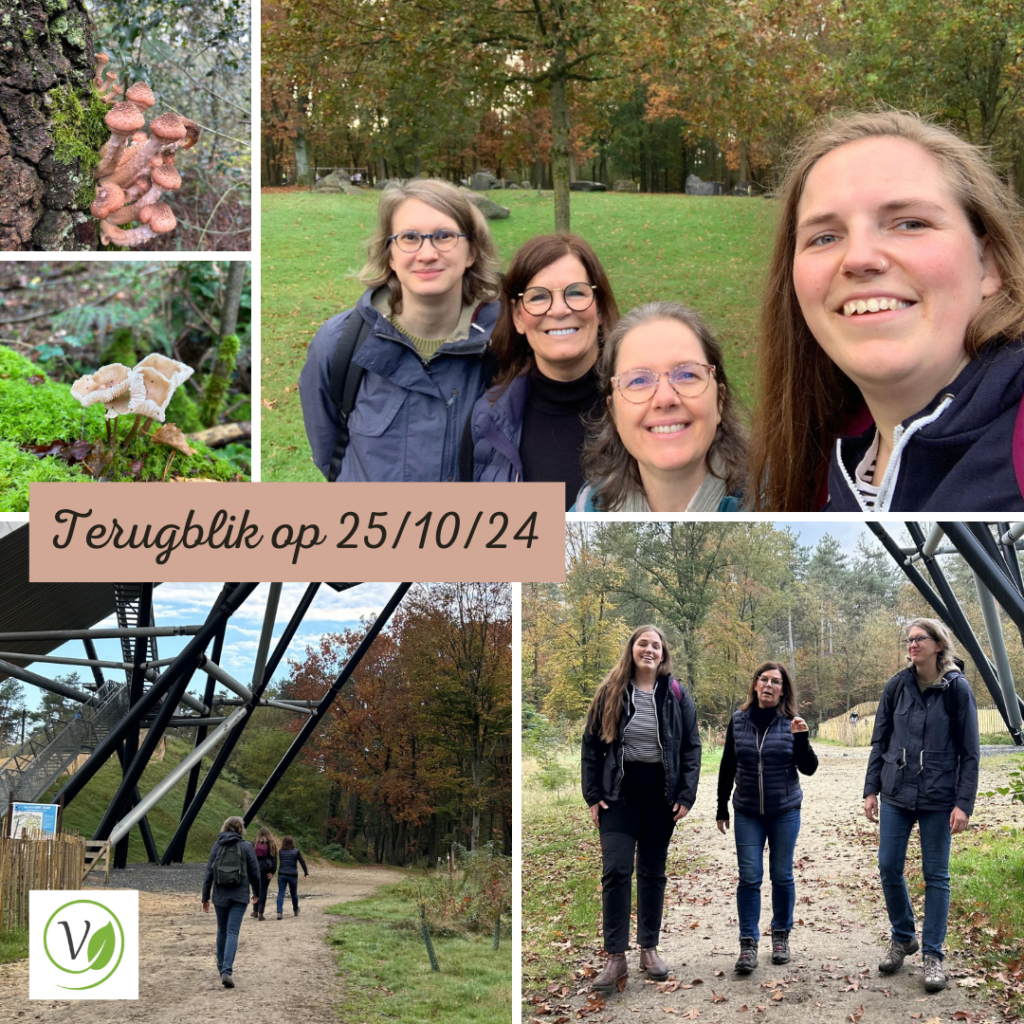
(279, 915)
(934, 976)
(615, 970)
(254, 911)
(656, 968)
(295, 912)
(896, 954)
(227, 981)
(780, 946)
(261, 918)
(748, 956)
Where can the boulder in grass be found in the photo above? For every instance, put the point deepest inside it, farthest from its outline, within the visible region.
(330, 182)
(490, 209)
(587, 186)
(483, 181)
(382, 184)
(697, 187)
(349, 189)
(625, 186)
(745, 188)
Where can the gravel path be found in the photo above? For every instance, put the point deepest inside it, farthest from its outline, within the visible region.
(839, 935)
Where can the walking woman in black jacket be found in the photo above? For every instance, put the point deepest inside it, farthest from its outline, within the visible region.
(288, 875)
(641, 764)
(265, 849)
(924, 762)
(766, 744)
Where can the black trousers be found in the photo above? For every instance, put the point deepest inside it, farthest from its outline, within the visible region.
(638, 826)
(264, 886)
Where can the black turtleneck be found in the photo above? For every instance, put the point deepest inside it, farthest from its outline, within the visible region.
(551, 444)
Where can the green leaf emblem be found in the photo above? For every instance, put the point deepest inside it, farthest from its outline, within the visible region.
(101, 947)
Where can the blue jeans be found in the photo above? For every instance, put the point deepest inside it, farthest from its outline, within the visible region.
(895, 826)
(290, 882)
(229, 921)
(780, 832)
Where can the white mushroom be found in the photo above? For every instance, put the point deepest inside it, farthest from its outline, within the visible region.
(105, 385)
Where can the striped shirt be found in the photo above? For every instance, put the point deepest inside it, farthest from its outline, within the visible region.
(864, 474)
(640, 740)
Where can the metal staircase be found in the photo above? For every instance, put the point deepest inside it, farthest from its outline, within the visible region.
(127, 597)
(34, 766)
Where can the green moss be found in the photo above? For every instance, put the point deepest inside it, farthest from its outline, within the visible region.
(184, 411)
(78, 131)
(121, 348)
(215, 387)
(18, 469)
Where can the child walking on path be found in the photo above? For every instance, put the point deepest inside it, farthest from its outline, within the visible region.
(288, 875)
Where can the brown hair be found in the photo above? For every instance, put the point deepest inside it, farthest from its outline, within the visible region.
(266, 836)
(805, 400)
(510, 348)
(480, 281)
(606, 462)
(940, 634)
(606, 706)
(787, 702)
(287, 843)
(234, 824)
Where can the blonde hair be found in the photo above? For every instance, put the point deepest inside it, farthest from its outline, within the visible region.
(234, 824)
(606, 707)
(266, 836)
(805, 400)
(480, 282)
(940, 634)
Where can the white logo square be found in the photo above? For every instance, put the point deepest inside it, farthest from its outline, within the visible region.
(83, 944)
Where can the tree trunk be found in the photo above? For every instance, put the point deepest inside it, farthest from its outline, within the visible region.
(232, 297)
(301, 158)
(560, 145)
(744, 161)
(46, 63)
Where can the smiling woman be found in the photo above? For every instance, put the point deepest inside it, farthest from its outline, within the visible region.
(895, 302)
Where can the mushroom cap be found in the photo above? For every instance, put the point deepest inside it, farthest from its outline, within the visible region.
(177, 373)
(109, 197)
(168, 126)
(157, 393)
(124, 118)
(140, 94)
(102, 386)
(159, 216)
(140, 137)
(122, 404)
(166, 177)
(192, 131)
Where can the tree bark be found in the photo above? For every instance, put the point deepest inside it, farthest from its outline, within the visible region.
(560, 144)
(232, 297)
(46, 47)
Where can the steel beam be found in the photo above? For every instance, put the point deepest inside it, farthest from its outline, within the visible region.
(903, 561)
(101, 634)
(227, 604)
(321, 709)
(193, 775)
(990, 613)
(1009, 553)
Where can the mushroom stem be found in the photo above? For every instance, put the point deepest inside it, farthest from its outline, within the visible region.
(146, 425)
(133, 236)
(135, 427)
(108, 423)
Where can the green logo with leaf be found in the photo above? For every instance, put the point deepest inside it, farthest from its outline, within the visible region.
(70, 926)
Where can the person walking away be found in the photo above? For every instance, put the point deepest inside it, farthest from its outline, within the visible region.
(288, 875)
(265, 849)
(231, 872)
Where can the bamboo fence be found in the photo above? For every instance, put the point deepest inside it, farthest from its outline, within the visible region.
(842, 730)
(47, 862)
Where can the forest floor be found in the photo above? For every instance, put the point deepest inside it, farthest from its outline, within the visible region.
(839, 933)
(284, 970)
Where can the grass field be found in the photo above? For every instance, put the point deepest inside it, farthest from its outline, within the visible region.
(388, 974)
(707, 252)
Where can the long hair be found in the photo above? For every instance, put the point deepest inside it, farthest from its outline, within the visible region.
(234, 824)
(606, 706)
(944, 659)
(805, 400)
(787, 702)
(480, 281)
(511, 349)
(287, 843)
(606, 462)
(266, 836)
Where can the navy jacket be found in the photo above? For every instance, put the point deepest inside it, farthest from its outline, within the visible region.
(408, 417)
(680, 746)
(495, 428)
(222, 896)
(288, 865)
(922, 768)
(955, 455)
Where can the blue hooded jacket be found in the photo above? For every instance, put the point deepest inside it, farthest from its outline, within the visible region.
(496, 427)
(408, 417)
(956, 454)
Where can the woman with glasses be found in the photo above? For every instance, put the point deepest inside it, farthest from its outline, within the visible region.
(388, 385)
(640, 767)
(891, 326)
(555, 303)
(668, 439)
(924, 764)
(766, 744)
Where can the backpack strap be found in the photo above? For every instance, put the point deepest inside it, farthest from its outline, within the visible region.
(1018, 448)
(677, 690)
(949, 698)
(344, 383)
(897, 693)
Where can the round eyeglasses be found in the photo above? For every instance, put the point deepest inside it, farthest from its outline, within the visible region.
(577, 297)
(912, 641)
(687, 380)
(412, 241)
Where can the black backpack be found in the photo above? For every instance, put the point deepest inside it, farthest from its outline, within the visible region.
(229, 865)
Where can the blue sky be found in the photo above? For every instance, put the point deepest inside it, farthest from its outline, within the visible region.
(189, 604)
(847, 534)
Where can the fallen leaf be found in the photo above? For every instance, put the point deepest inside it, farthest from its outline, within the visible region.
(716, 998)
(268, 404)
(857, 1014)
(170, 434)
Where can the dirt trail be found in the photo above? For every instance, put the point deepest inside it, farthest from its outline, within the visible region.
(839, 932)
(284, 970)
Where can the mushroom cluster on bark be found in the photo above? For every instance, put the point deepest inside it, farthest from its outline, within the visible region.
(135, 169)
(145, 390)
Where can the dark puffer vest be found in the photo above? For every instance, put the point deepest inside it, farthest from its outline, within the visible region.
(766, 782)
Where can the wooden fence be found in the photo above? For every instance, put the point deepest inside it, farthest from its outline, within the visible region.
(842, 730)
(51, 862)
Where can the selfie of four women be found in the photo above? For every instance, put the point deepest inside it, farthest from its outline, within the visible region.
(890, 349)
(640, 765)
